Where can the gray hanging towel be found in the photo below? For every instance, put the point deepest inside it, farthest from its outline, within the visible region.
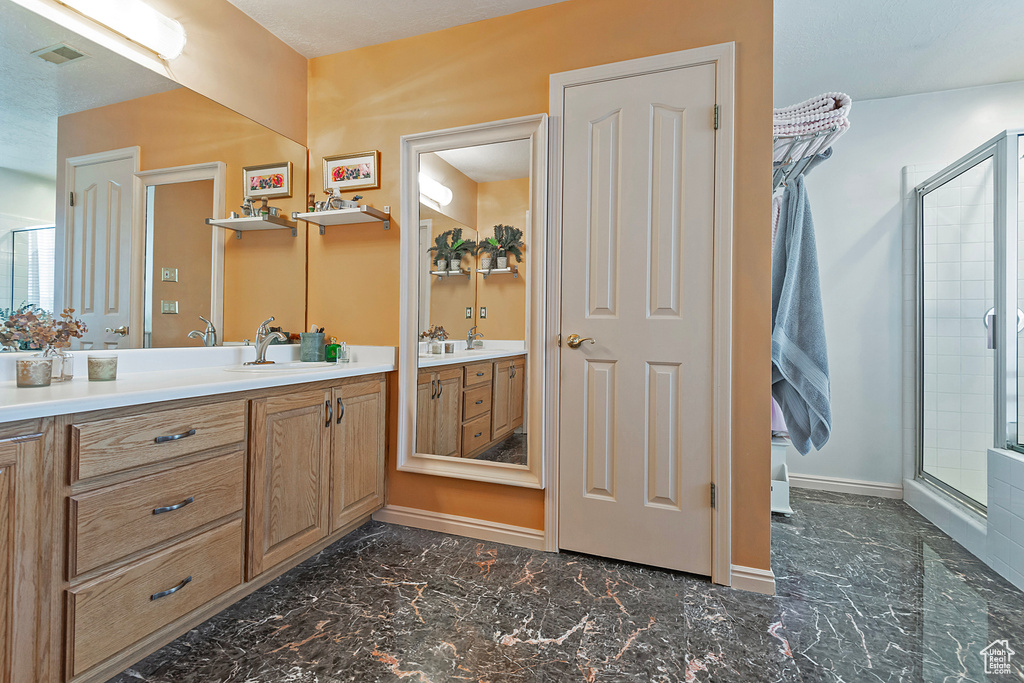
(799, 356)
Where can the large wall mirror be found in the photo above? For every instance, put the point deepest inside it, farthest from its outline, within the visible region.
(107, 174)
(473, 237)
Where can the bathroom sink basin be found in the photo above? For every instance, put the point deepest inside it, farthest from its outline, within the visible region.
(289, 366)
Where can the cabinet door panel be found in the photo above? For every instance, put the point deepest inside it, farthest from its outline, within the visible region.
(517, 393)
(289, 476)
(425, 412)
(448, 421)
(22, 558)
(500, 399)
(357, 467)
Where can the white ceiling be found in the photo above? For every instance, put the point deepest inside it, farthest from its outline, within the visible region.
(884, 48)
(33, 93)
(315, 28)
(491, 163)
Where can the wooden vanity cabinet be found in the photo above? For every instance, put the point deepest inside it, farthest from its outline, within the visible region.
(289, 475)
(24, 552)
(439, 411)
(509, 388)
(357, 451)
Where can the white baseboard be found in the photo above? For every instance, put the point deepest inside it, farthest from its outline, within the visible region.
(755, 580)
(496, 532)
(839, 485)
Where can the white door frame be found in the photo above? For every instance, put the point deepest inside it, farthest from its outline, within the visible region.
(217, 172)
(723, 57)
(137, 257)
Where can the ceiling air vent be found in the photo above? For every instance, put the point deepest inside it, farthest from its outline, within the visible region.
(60, 54)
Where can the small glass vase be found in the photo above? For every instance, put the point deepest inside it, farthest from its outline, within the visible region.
(63, 369)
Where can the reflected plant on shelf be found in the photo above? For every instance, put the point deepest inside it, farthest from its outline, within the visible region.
(459, 247)
(441, 249)
(510, 243)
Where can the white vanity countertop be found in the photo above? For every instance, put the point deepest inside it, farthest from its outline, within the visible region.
(153, 375)
(435, 360)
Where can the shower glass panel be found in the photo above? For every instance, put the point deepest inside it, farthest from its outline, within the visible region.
(957, 310)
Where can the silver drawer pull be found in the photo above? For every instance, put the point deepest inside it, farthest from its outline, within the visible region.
(172, 508)
(480, 401)
(174, 437)
(477, 435)
(479, 374)
(164, 594)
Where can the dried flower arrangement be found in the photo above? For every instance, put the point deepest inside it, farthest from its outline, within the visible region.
(31, 328)
(435, 333)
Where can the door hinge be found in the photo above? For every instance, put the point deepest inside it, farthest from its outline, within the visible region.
(714, 496)
(559, 338)
(72, 196)
(716, 117)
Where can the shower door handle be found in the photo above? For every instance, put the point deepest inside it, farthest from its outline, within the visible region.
(990, 328)
(990, 325)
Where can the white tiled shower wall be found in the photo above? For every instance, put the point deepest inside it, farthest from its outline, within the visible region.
(958, 367)
(1006, 515)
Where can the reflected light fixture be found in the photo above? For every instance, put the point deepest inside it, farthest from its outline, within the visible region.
(435, 191)
(136, 21)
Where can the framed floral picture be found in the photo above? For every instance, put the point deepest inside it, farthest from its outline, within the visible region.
(268, 180)
(359, 171)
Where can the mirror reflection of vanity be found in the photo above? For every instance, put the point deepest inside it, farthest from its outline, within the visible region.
(470, 387)
(156, 158)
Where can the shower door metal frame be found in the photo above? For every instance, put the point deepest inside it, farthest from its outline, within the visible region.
(1004, 151)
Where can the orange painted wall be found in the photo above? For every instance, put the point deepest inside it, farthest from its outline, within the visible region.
(265, 271)
(496, 69)
(505, 202)
(450, 296)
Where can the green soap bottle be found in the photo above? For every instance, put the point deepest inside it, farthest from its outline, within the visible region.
(331, 351)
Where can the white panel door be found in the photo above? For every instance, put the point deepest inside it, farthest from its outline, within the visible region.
(637, 243)
(99, 251)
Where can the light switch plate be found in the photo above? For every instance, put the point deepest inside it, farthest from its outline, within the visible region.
(168, 306)
(469, 311)
(483, 312)
(169, 274)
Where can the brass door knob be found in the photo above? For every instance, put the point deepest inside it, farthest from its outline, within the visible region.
(122, 331)
(575, 340)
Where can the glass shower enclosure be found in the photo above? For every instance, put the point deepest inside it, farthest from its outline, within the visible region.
(969, 315)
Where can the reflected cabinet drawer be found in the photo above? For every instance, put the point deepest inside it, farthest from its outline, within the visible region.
(121, 443)
(112, 522)
(476, 402)
(477, 373)
(476, 434)
(110, 613)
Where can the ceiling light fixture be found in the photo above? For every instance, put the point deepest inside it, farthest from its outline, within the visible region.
(136, 21)
(435, 191)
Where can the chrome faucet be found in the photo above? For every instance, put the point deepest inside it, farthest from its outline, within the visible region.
(263, 338)
(471, 335)
(332, 200)
(209, 335)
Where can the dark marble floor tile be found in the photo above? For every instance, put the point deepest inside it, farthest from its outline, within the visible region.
(867, 591)
(512, 451)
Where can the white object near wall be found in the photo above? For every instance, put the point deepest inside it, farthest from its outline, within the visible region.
(1005, 538)
(780, 478)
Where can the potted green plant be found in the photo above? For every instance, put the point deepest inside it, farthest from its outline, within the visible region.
(488, 251)
(510, 242)
(441, 249)
(459, 247)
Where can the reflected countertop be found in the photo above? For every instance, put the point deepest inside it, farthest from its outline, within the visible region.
(154, 375)
(462, 356)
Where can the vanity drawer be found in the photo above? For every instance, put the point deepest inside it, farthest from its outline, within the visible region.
(110, 613)
(121, 443)
(476, 434)
(119, 520)
(477, 373)
(476, 402)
